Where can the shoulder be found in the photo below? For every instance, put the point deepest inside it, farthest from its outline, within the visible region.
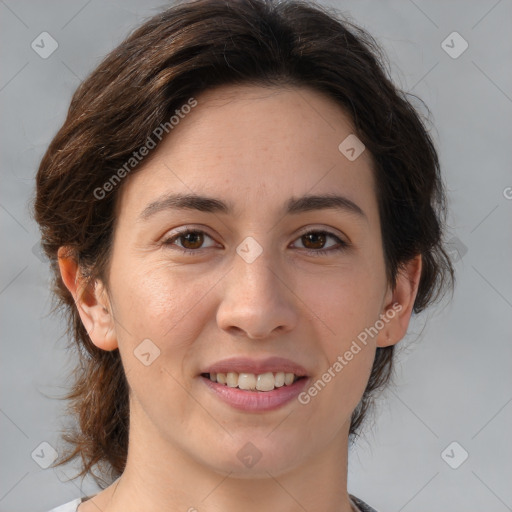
(361, 505)
(70, 506)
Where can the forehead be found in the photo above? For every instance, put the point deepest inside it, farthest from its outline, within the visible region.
(249, 145)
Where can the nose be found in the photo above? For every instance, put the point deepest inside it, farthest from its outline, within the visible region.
(258, 301)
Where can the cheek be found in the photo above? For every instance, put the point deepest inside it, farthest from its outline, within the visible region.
(343, 301)
(156, 300)
(157, 304)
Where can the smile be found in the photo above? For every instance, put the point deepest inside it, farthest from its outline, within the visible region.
(253, 382)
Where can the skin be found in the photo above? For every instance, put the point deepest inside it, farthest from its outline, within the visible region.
(255, 147)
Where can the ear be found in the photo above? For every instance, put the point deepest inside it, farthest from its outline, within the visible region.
(91, 300)
(399, 303)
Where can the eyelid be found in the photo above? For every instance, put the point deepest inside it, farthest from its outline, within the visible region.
(327, 230)
(183, 230)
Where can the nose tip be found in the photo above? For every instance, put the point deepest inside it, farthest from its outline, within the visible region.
(261, 334)
(256, 322)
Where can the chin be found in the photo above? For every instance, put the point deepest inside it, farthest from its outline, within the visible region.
(257, 456)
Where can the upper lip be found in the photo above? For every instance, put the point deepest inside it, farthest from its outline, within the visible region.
(256, 366)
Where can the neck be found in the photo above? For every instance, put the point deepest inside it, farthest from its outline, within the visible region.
(162, 476)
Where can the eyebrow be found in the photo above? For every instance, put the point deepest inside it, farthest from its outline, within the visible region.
(293, 206)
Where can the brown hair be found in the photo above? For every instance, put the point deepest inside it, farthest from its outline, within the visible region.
(175, 55)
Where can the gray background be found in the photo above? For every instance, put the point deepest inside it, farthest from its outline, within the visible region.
(453, 382)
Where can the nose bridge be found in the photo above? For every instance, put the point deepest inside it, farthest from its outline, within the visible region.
(256, 300)
(255, 269)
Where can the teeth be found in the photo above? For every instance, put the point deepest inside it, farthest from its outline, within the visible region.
(251, 382)
(232, 379)
(279, 379)
(266, 382)
(288, 378)
(246, 381)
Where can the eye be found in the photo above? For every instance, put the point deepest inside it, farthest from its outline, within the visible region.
(314, 241)
(316, 238)
(191, 239)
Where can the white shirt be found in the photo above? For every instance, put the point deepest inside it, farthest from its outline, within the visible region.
(71, 506)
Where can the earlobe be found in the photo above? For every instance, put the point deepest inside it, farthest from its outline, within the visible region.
(91, 301)
(399, 303)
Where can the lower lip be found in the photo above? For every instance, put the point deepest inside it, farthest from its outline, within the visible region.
(256, 401)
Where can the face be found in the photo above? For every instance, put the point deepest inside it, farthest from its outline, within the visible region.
(258, 273)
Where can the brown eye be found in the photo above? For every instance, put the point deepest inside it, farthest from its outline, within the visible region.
(314, 240)
(192, 239)
(189, 241)
(314, 243)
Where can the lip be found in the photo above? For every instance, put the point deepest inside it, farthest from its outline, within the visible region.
(256, 401)
(257, 366)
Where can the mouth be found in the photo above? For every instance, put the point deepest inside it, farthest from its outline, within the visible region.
(262, 382)
(255, 385)
(255, 393)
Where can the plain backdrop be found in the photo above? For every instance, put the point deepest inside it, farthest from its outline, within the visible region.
(454, 378)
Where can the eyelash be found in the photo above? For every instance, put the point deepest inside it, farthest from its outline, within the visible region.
(313, 252)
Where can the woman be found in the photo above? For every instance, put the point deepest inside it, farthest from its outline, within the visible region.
(242, 212)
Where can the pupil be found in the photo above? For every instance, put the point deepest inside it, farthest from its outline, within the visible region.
(194, 234)
(318, 236)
